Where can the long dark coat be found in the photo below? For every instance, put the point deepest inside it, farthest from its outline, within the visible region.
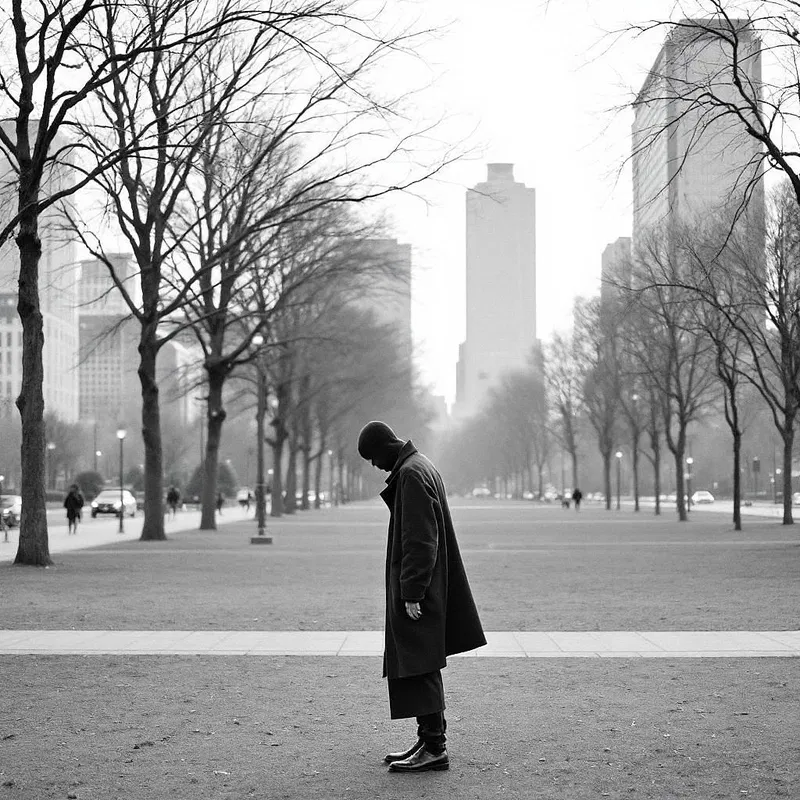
(423, 564)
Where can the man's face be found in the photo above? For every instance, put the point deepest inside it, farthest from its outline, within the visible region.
(381, 461)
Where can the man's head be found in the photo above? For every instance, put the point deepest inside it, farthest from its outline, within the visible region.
(378, 444)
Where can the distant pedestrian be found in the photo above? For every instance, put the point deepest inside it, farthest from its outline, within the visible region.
(73, 502)
(173, 500)
(430, 613)
(577, 496)
(220, 502)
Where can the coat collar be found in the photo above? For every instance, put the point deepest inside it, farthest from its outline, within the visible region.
(406, 451)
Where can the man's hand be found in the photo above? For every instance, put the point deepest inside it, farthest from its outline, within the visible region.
(414, 610)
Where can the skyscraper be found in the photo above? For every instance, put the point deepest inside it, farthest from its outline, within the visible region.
(690, 158)
(58, 278)
(501, 285)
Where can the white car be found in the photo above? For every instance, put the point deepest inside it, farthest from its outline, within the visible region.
(11, 509)
(702, 497)
(108, 502)
(481, 491)
(796, 499)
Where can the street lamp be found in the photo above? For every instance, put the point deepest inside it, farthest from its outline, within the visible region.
(618, 455)
(2, 519)
(689, 462)
(261, 410)
(121, 432)
(50, 447)
(97, 454)
(778, 472)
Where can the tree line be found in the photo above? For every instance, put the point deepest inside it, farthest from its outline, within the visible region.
(230, 145)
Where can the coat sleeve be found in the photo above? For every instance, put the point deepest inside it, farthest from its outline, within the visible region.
(420, 538)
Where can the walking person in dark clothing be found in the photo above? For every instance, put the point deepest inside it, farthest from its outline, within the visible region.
(430, 613)
(220, 502)
(173, 498)
(577, 496)
(73, 502)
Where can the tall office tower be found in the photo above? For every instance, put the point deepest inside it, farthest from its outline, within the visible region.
(501, 285)
(690, 160)
(110, 390)
(108, 357)
(390, 296)
(615, 270)
(58, 274)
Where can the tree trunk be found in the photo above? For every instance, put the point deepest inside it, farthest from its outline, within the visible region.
(679, 484)
(657, 476)
(33, 548)
(636, 471)
(216, 418)
(290, 503)
(575, 481)
(153, 527)
(607, 478)
(318, 478)
(737, 480)
(788, 446)
(305, 505)
(277, 478)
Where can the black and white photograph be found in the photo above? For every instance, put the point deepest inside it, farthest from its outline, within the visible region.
(399, 399)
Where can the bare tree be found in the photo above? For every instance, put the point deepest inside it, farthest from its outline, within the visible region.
(670, 351)
(46, 79)
(562, 370)
(598, 366)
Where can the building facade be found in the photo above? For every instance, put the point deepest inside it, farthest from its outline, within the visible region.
(615, 269)
(501, 285)
(691, 162)
(58, 284)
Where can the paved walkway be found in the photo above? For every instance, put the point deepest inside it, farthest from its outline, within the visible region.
(105, 530)
(501, 644)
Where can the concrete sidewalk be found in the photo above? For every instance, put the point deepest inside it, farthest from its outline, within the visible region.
(95, 532)
(501, 644)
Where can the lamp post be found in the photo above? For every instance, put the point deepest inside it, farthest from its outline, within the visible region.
(97, 454)
(618, 455)
(50, 447)
(756, 473)
(2, 518)
(121, 432)
(261, 409)
(778, 473)
(689, 462)
(330, 477)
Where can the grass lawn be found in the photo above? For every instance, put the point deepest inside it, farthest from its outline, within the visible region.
(205, 728)
(531, 568)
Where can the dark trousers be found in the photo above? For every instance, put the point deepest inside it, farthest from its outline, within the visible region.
(431, 729)
(421, 696)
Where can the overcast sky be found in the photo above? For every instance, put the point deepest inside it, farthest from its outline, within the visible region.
(538, 81)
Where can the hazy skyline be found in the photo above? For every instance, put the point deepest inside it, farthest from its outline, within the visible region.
(538, 82)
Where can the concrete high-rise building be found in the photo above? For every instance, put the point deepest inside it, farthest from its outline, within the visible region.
(110, 390)
(58, 279)
(389, 295)
(615, 269)
(108, 357)
(501, 285)
(690, 160)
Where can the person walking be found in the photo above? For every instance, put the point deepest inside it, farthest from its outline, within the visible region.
(73, 502)
(173, 498)
(430, 611)
(220, 502)
(577, 496)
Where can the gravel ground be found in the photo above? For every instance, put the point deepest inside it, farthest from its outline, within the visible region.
(531, 568)
(316, 728)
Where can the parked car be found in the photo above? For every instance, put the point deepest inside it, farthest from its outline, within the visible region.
(702, 497)
(481, 491)
(108, 502)
(796, 499)
(11, 509)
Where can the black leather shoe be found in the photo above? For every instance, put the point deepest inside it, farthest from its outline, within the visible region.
(392, 757)
(422, 761)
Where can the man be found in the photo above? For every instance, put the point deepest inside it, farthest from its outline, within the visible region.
(73, 502)
(430, 613)
(173, 498)
(577, 496)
